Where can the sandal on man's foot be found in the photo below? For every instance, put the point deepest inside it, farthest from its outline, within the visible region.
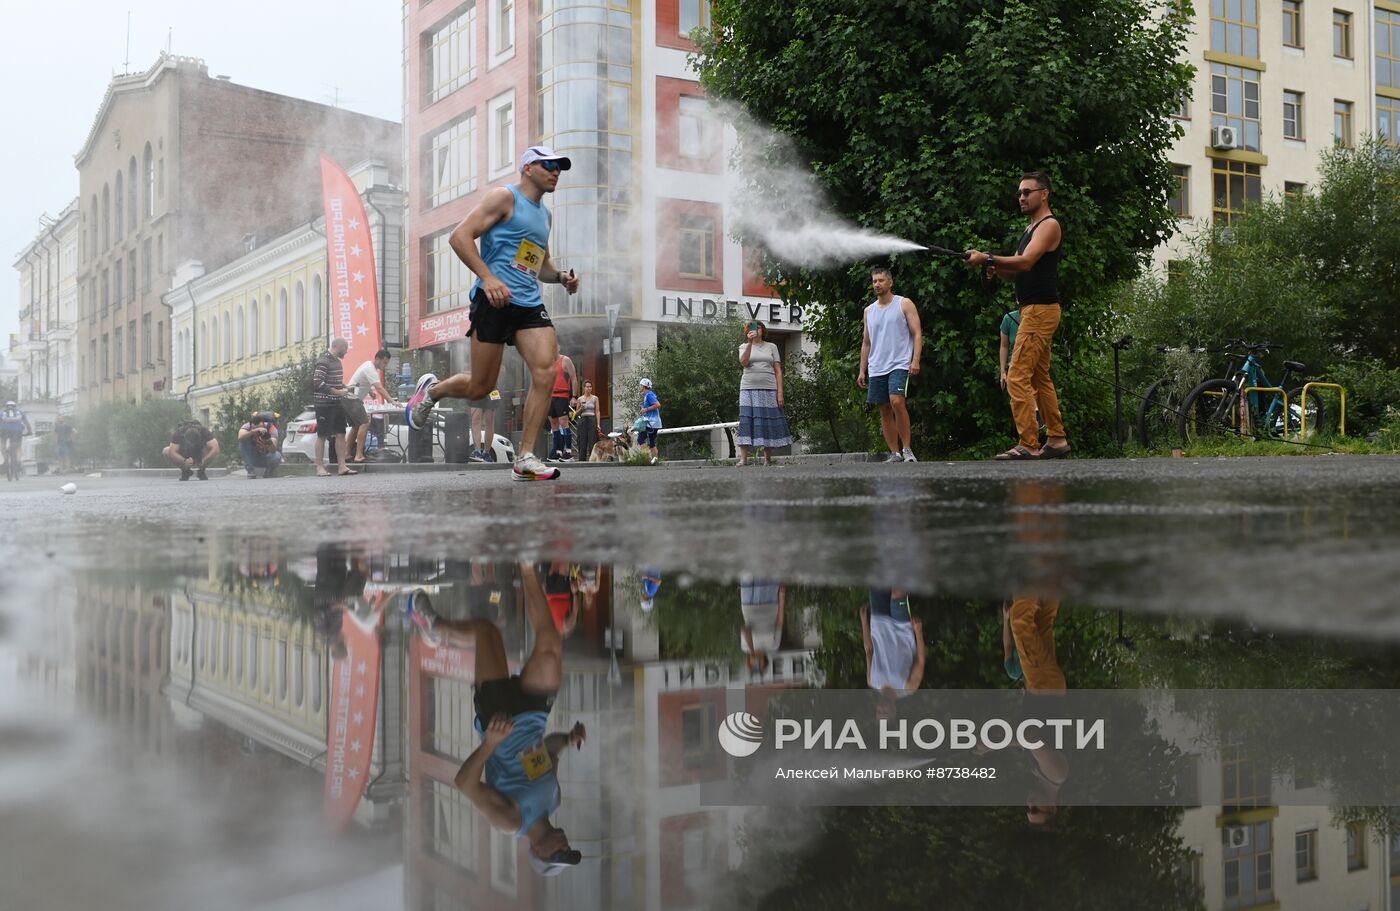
(1054, 452)
(1017, 454)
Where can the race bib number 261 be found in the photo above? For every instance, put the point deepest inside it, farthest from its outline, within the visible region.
(529, 258)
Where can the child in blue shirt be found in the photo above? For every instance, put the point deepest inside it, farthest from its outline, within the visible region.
(651, 410)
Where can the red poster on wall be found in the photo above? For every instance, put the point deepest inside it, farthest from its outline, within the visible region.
(354, 712)
(353, 287)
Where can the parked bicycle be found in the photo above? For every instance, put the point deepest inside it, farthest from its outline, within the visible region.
(1221, 407)
(1160, 409)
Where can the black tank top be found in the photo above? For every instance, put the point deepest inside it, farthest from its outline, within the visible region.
(1040, 283)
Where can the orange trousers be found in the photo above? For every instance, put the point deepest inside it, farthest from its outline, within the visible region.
(1033, 628)
(1028, 379)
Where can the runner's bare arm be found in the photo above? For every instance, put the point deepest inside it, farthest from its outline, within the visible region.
(494, 209)
(501, 812)
(556, 742)
(551, 275)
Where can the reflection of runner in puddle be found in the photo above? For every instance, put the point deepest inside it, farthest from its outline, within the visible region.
(559, 590)
(512, 777)
(894, 648)
(762, 635)
(651, 584)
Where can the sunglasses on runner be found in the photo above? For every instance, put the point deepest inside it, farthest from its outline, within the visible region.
(1023, 193)
(552, 167)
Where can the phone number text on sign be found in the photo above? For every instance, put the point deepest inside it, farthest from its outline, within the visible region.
(444, 327)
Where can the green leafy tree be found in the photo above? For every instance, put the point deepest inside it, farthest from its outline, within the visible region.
(1314, 274)
(824, 406)
(286, 395)
(695, 372)
(126, 434)
(918, 119)
(962, 857)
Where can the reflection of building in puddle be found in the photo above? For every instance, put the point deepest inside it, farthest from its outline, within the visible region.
(631, 796)
(121, 637)
(1253, 846)
(247, 654)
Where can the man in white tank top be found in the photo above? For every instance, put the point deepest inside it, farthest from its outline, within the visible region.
(889, 355)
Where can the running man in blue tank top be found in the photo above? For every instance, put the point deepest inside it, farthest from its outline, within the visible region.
(513, 776)
(512, 225)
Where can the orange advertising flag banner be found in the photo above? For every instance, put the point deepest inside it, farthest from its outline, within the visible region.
(354, 713)
(353, 287)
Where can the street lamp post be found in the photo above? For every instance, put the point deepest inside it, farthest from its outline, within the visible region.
(613, 311)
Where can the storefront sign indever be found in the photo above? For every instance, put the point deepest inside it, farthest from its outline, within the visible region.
(438, 328)
(772, 312)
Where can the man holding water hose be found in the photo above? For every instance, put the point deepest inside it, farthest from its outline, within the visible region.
(1035, 269)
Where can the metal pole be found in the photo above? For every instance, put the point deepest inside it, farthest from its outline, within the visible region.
(1117, 401)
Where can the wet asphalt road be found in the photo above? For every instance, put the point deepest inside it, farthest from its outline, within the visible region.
(1302, 542)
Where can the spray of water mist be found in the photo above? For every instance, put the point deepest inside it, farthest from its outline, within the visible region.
(772, 200)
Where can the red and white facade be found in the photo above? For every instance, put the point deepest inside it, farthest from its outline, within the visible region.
(639, 217)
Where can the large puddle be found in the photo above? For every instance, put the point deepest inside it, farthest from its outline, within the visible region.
(263, 726)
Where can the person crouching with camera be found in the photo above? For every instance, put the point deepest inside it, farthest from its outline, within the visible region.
(257, 444)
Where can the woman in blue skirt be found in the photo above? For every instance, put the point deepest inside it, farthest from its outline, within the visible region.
(762, 423)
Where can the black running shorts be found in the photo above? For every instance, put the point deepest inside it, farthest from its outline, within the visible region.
(498, 325)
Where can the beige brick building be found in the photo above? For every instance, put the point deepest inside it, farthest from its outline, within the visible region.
(177, 166)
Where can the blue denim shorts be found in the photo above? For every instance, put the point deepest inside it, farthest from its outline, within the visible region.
(880, 388)
(647, 437)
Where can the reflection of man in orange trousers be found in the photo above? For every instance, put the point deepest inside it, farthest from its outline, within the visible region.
(1033, 628)
(1034, 609)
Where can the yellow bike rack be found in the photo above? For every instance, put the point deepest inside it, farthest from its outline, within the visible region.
(1245, 404)
(1303, 428)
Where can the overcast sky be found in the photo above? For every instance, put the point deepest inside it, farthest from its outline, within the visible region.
(56, 59)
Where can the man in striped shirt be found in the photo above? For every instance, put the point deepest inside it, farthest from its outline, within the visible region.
(327, 390)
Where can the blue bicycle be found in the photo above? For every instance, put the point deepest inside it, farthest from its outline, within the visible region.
(1222, 407)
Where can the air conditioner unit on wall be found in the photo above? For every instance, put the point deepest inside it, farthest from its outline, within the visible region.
(1224, 138)
(1235, 836)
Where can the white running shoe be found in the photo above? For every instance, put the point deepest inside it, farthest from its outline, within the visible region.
(419, 611)
(908, 455)
(893, 457)
(529, 468)
(420, 405)
(655, 459)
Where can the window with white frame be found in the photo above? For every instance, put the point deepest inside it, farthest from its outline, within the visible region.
(299, 316)
(449, 279)
(694, 14)
(1292, 115)
(451, 162)
(501, 40)
(501, 113)
(696, 132)
(451, 57)
(696, 245)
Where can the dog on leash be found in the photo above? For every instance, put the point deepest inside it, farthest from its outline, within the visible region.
(615, 447)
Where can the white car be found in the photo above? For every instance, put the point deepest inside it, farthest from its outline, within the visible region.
(299, 441)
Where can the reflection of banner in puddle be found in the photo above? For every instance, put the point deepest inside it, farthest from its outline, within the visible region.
(443, 660)
(354, 711)
(1082, 748)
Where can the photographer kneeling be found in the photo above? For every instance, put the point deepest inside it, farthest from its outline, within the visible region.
(257, 444)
